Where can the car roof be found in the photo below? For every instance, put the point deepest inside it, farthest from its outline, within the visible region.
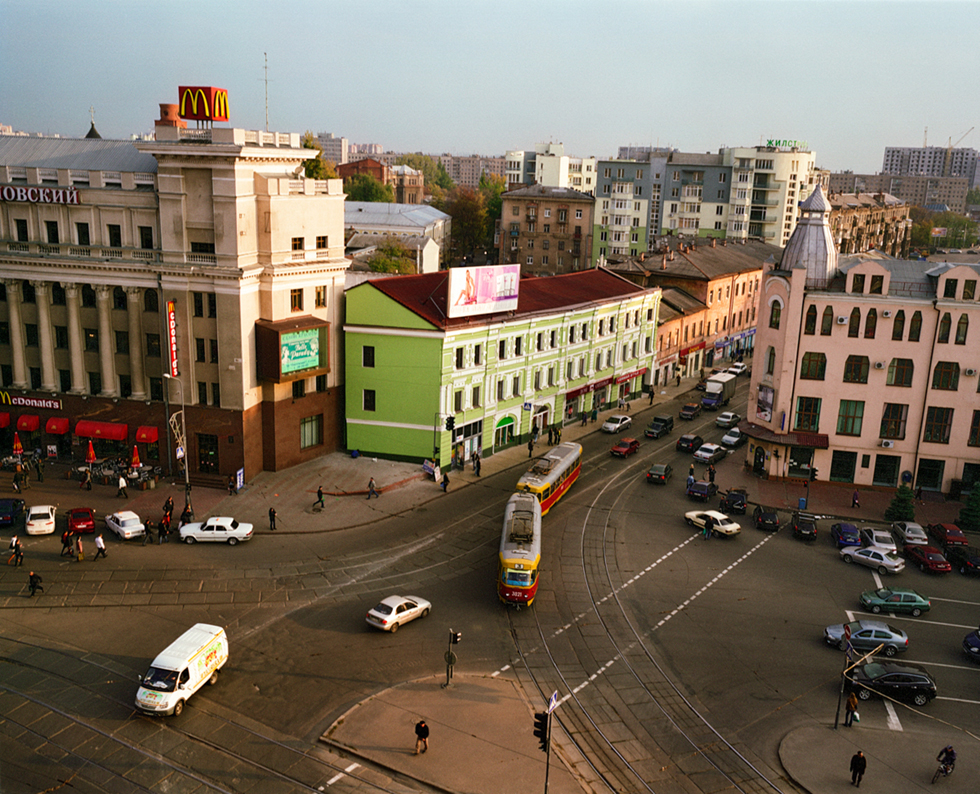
(714, 514)
(627, 441)
(659, 466)
(395, 600)
(126, 514)
(617, 416)
(875, 624)
(40, 507)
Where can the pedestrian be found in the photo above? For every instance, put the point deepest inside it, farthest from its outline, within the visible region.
(918, 495)
(530, 447)
(651, 396)
(477, 462)
(168, 506)
(319, 497)
(445, 482)
(421, 737)
(16, 482)
(66, 543)
(372, 489)
(690, 481)
(858, 764)
(595, 414)
(585, 418)
(232, 486)
(272, 519)
(551, 436)
(163, 534)
(691, 472)
(855, 499)
(34, 583)
(621, 403)
(99, 546)
(711, 472)
(709, 525)
(80, 551)
(148, 532)
(186, 516)
(18, 555)
(122, 487)
(535, 430)
(850, 708)
(678, 379)
(40, 470)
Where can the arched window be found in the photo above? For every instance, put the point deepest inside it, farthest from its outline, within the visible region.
(915, 327)
(854, 327)
(944, 325)
(151, 302)
(870, 324)
(946, 376)
(770, 361)
(775, 312)
(900, 372)
(810, 327)
(814, 366)
(827, 323)
(961, 328)
(856, 369)
(898, 326)
(119, 299)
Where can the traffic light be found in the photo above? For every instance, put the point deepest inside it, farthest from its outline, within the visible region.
(450, 422)
(541, 729)
(813, 473)
(456, 636)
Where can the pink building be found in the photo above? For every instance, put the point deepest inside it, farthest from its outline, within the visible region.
(865, 368)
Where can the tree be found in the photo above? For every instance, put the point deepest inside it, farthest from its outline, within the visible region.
(392, 256)
(433, 171)
(492, 188)
(973, 196)
(319, 168)
(902, 507)
(469, 215)
(961, 231)
(969, 519)
(364, 187)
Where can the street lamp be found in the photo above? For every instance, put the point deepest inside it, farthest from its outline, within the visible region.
(181, 436)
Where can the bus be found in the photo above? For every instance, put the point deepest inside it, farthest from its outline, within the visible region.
(552, 474)
(520, 551)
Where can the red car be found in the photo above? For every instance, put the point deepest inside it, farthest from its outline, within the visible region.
(81, 519)
(928, 558)
(625, 447)
(948, 534)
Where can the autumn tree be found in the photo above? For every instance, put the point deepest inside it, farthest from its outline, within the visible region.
(319, 168)
(467, 209)
(433, 171)
(492, 188)
(364, 187)
(392, 256)
(960, 230)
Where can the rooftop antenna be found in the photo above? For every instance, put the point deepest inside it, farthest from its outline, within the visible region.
(925, 138)
(266, 90)
(91, 113)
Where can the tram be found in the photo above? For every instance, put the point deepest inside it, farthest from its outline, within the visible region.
(520, 550)
(552, 474)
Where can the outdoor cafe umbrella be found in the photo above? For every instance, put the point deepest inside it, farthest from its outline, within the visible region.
(18, 447)
(90, 453)
(135, 463)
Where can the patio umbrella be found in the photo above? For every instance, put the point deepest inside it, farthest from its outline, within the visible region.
(136, 458)
(18, 447)
(90, 453)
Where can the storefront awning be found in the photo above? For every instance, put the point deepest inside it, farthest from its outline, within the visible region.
(28, 422)
(146, 435)
(4, 420)
(112, 431)
(57, 425)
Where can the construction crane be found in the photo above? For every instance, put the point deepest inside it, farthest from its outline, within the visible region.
(948, 161)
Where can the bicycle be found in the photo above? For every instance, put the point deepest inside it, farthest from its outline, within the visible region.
(945, 770)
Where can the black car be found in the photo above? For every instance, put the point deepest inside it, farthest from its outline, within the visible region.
(690, 411)
(899, 680)
(971, 645)
(765, 518)
(734, 501)
(804, 525)
(965, 559)
(701, 491)
(660, 426)
(10, 510)
(689, 443)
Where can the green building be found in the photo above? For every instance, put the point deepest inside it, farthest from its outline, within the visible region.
(421, 385)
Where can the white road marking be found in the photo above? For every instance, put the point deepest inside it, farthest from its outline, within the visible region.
(961, 700)
(970, 667)
(877, 580)
(955, 601)
(894, 724)
(343, 774)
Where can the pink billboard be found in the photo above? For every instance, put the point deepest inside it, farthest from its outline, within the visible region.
(483, 290)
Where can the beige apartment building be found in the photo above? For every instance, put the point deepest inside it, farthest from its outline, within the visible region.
(863, 222)
(547, 230)
(919, 191)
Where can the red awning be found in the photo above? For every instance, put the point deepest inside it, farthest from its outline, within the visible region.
(88, 429)
(57, 425)
(4, 420)
(146, 435)
(28, 422)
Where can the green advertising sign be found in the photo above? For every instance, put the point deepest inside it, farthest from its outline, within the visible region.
(299, 350)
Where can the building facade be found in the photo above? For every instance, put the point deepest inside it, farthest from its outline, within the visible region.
(931, 161)
(384, 219)
(334, 148)
(918, 191)
(863, 222)
(409, 184)
(547, 230)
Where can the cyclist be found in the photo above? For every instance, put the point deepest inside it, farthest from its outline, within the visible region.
(947, 757)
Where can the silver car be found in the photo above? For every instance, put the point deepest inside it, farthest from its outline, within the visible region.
(882, 560)
(908, 532)
(871, 536)
(616, 423)
(866, 635)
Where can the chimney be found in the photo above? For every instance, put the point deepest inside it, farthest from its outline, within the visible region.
(169, 117)
(724, 243)
(643, 257)
(671, 256)
(714, 242)
(663, 264)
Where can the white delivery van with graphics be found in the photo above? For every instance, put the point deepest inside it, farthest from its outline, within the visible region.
(183, 667)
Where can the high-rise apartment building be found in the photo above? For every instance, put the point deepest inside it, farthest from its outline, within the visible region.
(932, 161)
(333, 148)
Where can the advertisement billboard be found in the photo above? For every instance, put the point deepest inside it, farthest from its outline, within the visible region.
(299, 350)
(172, 337)
(482, 290)
(203, 103)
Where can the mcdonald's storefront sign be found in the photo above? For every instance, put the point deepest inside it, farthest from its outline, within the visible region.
(203, 103)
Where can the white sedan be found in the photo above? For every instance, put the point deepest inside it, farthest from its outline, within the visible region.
(395, 610)
(616, 423)
(882, 560)
(727, 419)
(709, 453)
(126, 524)
(220, 529)
(723, 525)
(40, 520)
(738, 368)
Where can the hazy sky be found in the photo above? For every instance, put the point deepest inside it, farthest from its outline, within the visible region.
(469, 76)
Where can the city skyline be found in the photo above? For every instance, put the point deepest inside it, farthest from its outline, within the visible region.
(847, 78)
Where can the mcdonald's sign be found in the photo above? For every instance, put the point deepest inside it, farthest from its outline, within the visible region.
(203, 103)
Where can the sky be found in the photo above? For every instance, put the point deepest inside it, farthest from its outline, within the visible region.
(476, 77)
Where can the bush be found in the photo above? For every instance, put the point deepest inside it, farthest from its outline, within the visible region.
(902, 507)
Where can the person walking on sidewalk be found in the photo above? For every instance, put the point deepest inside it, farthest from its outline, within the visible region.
(421, 737)
(372, 489)
(79, 551)
(445, 482)
(711, 472)
(858, 765)
(850, 708)
(18, 554)
(855, 499)
(319, 497)
(40, 470)
(66, 542)
(232, 487)
(678, 379)
(530, 447)
(99, 546)
(272, 519)
(595, 414)
(148, 532)
(122, 487)
(86, 481)
(163, 534)
(168, 506)
(34, 583)
(477, 462)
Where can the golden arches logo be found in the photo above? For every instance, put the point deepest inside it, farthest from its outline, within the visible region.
(203, 103)
(219, 105)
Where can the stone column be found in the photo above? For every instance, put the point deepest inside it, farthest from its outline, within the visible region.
(76, 353)
(42, 292)
(107, 362)
(134, 296)
(14, 298)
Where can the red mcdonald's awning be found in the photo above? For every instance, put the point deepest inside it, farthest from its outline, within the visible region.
(28, 422)
(88, 429)
(146, 435)
(57, 425)
(4, 420)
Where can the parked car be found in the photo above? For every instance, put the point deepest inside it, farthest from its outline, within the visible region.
(908, 532)
(709, 453)
(219, 529)
(804, 525)
(738, 368)
(877, 537)
(735, 500)
(396, 610)
(971, 645)
(927, 558)
(689, 443)
(900, 600)
(948, 534)
(899, 680)
(616, 423)
(702, 491)
(10, 510)
(965, 559)
(845, 534)
(765, 518)
(660, 473)
(625, 447)
(40, 520)
(866, 635)
(734, 438)
(882, 560)
(660, 426)
(722, 524)
(126, 524)
(81, 519)
(727, 419)
(690, 411)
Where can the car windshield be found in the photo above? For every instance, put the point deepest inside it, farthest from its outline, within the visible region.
(874, 670)
(160, 680)
(883, 593)
(234, 524)
(517, 578)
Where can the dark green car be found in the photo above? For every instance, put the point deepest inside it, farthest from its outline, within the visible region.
(895, 599)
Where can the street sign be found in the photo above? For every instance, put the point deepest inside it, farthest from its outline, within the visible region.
(847, 632)
(180, 453)
(553, 703)
(527, 406)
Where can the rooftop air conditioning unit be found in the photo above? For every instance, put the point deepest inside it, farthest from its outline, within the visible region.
(886, 313)
(970, 373)
(879, 365)
(842, 321)
(888, 444)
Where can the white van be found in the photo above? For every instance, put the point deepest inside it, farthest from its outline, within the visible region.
(184, 666)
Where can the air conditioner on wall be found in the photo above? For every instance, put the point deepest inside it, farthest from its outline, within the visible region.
(886, 313)
(888, 444)
(970, 373)
(879, 365)
(842, 321)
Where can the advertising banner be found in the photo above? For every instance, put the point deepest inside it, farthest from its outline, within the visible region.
(939, 231)
(203, 103)
(172, 337)
(299, 350)
(482, 290)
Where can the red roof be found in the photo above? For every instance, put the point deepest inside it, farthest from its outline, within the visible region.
(426, 295)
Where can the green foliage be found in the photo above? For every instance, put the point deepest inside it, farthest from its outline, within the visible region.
(318, 168)
(433, 171)
(962, 232)
(392, 256)
(973, 196)
(364, 187)
(902, 507)
(969, 520)
(469, 214)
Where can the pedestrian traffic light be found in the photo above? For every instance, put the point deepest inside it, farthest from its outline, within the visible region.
(456, 636)
(813, 473)
(541, 729)
(450, 422)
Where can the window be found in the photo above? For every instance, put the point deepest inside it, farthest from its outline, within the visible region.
(518, 345)
(198, 304)
(946, 376)
(856, 369)
(949, 290)
(94, 383)
(516, 386)
(915, 327)
(961, 328)
(814, 366)
(810, 325)
(119, 301)
(827, 321)
(153, 345)
(115, 235)
(857, 284)
(202, 393)
(30, 333)
(64, 378)
(367, 356)
(296, 300)
(944, 326)
(969, 289)
(91, 336)
(939, 421)
(202, 248)
(61, 337)
(321, 242)
(52, 230)
(320, 297)
(898, 326)
(146, 237)
(900, 372)
(770, 361)
(775, 313)
(807, 413)
(27, 292)
(850, 417)
(321, 383)
(893, 419)
(311, 431)
(974, 440)
(854, 326)
(213, 346)
(870, 324)
(367, 400)
(298, 244)
(151, 303)
(82, 234)
(122, 342)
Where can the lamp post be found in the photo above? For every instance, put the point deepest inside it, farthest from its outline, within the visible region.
(182, 441)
